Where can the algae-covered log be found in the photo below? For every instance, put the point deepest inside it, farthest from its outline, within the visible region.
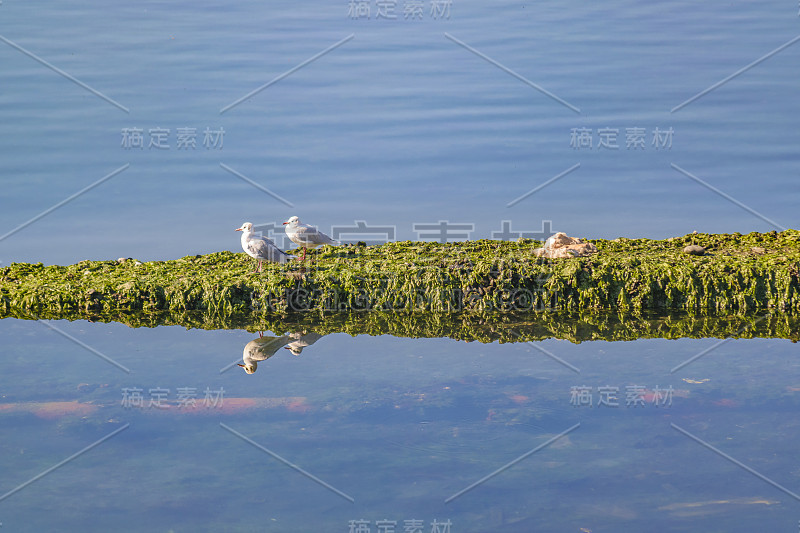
(737, 273)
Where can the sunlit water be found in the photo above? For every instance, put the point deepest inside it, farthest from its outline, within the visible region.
(400, 125)
(398, 426)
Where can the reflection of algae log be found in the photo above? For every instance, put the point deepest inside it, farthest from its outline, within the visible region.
(738, 273)
(473, 326)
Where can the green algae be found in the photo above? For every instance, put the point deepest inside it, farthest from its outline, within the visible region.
(477, 290)
(738, 273)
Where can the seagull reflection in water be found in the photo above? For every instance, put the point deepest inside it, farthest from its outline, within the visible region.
(263, 348)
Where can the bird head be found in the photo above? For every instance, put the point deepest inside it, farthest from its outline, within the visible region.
(250, 368)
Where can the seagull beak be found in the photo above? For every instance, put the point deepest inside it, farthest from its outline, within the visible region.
(238, 229)
(285, 223)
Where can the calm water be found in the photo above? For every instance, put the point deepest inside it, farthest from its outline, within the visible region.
(397, 126)
(401, 124)
(399, 426)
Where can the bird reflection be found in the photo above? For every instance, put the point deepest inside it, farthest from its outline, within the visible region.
(302, 339)
(264, 347)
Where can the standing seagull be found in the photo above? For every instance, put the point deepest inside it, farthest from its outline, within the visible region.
(306, 236)
(261, 248)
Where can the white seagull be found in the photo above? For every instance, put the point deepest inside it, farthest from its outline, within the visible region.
(261, 248)
(306, 236)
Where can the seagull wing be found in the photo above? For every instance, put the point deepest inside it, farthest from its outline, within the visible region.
(310, 235)
(265, 249)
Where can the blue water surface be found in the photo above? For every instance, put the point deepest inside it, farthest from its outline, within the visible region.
(430, 116)
(491, 437)
(467, 116)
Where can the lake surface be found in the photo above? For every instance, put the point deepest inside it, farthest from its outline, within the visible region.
(506, 119)
(394, 430)
(402, 125)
